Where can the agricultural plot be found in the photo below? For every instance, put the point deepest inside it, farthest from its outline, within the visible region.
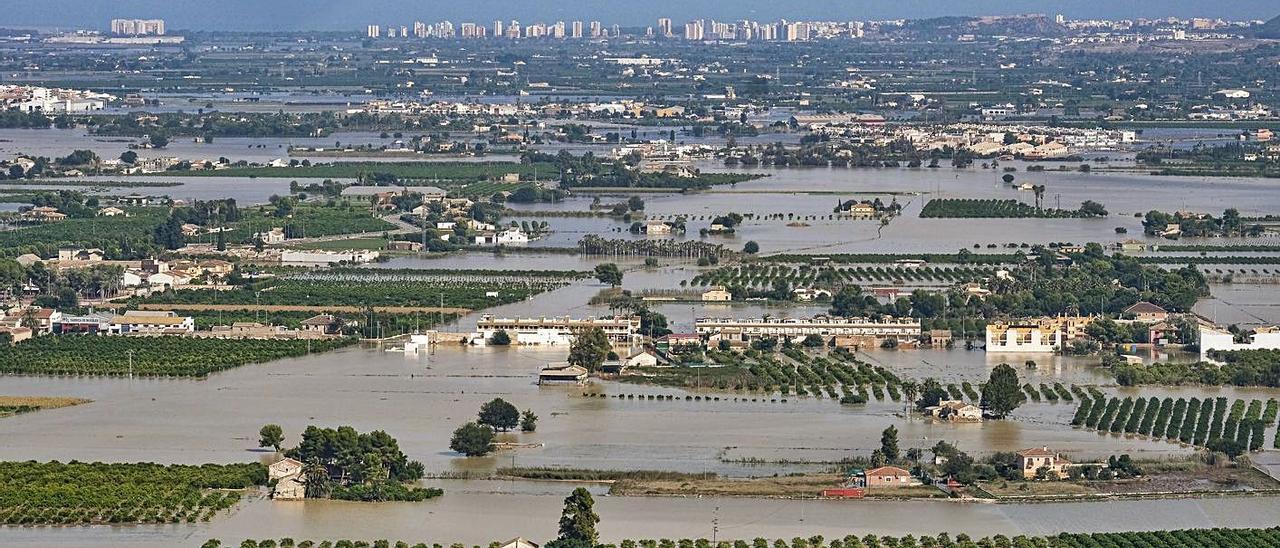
(1210, 422)
(148, 356)
(434, 171)
(79, 493)
(373, 287)
(1190, 538)
(836, 376)
(966, 208)
(108, 233)
(309, 222)
(764, 275)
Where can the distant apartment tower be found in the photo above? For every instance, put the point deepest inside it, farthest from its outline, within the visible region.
(374, 31)
(513, 30)
(798, 32)
(419, 29)
(576, 31)
(664, 27)
(137, 27)
(694, 30)
(497, 29)
(597, 29)
(557, 30)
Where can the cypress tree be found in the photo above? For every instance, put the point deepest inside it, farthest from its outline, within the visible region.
(1149, 420)
(1135, 416)
(1082, 412)
(1122, 415)
(1202, 422)
(1162, 420)
(1175, 420)
(1219, 411)
(1188, 430)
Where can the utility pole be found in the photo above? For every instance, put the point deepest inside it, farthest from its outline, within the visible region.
(129, 353)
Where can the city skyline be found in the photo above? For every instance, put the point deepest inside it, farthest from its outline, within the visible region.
(328, 15)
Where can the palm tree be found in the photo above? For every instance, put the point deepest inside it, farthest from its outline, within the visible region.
(1039, 192)
(910, 391)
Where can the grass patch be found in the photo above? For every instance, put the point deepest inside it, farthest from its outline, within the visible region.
(14, 405)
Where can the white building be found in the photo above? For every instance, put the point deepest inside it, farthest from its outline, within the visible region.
(1212, 338)
(755, 328)
(305, 257)
(558, 331)
(151, 322)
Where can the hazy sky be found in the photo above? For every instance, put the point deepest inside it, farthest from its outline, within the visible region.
(354, 14)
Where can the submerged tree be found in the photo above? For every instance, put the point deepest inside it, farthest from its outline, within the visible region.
(271, 436)
(1002, 393)
(472, 440)
(499, 415)
(589, 349)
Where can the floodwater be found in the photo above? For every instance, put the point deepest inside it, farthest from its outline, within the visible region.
(421, 399)
(480, 512)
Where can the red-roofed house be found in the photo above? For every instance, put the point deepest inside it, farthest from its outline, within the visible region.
(890, 476)
(1147, 312)
(1032, 460)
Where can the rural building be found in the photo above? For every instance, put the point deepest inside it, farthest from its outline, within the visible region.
(1147, 312)
(88, 324)
(716, 294)
(955, 411)
(273, 236)
(323, 324)
(284, 468)
(889, 476)
(1035, 334)
(560, 330)
(151, 322)
(518, 542)
(562, 373)
(1032, 460)
(327, 257)
(797, 328)
(1212, 338)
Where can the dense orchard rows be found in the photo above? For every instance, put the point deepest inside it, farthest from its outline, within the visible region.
(1187, 538)
(971, 208)
(75, 493)
(1203, 423)
(376, 287)
(838, 375)
(167, 356)
(765, 274)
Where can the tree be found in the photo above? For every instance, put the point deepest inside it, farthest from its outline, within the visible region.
(528, 421)
(609, 273)
(129, 157)
(751, 247)
(589, 349)
(577, 522)
(500, 338)
(931, 392)
(1002, 393)
(159, 140)
(472, 440)
(889, 443)
(271, 436)
(499, 415)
